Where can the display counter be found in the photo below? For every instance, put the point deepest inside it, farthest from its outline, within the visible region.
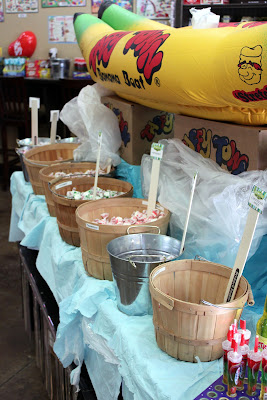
(54, 93)
(117, 349)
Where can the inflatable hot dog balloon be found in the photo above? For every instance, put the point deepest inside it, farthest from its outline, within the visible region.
(218, 74)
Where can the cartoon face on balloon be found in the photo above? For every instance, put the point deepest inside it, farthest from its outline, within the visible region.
(249, 66)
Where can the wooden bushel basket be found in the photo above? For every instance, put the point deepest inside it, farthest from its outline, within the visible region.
(68, 168)
(43, 156)
(184, 326)
(95, 237)
(65, 208)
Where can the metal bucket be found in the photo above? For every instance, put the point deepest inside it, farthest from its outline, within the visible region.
(73, 139)
(132, 258)
(60, 68)
(20, 152)
(41, 141)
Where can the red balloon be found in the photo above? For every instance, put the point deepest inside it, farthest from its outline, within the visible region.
(24, 45)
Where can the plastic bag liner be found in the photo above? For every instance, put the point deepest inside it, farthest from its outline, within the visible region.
(220, 204)
(86, 116)
(204, 18)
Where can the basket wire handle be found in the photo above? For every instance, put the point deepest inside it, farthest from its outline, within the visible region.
(46, 165)
(55, 180)
(200, 258)
(207, 303)
(143, 226)
(250, 299)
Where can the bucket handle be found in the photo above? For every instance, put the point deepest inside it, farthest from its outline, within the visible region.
(143, 226)
(146, 255)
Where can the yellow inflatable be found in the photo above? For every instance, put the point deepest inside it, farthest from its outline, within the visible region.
(218, 74)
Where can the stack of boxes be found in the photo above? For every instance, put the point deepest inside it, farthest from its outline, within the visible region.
(140, 126)
(236, 148)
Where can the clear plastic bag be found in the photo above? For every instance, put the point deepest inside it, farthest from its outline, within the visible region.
(220, 204)
(86, 116)
(70, 116)
(204, 18)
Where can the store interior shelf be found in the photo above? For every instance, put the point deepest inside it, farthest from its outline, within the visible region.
(236, 11)
(225, 6)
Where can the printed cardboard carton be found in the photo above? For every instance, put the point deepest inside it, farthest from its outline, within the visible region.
(140, 126)
(236, 148)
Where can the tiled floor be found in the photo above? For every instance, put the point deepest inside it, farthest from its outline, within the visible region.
(20, 379)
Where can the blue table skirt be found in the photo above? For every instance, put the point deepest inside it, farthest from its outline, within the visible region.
(116, 348)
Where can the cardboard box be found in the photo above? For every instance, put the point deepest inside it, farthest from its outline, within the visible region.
(236, 148)
(140, 126)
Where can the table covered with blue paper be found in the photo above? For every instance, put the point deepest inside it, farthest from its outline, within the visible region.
(119, 349)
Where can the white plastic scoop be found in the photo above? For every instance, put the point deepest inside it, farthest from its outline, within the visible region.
(99, 142)
(256, 203)
(188, 212)
(156, 153)
(54, 116)
(34, 104)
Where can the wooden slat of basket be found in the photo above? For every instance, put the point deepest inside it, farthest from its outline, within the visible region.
(33, 173)
(198, 342)
(225, 320)
(206, 328)
(181, 287)
(107, 272)
(94, 270)
(222, 284)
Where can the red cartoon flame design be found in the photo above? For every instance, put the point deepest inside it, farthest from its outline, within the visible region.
(145, 45)
(103, 49)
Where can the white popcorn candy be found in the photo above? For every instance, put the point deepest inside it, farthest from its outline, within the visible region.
(88, 194)
(90, 172)
(137, 218)
(77, 196)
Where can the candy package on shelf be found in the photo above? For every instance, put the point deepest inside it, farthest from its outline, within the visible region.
(14, 66)
(86, 116)
(37, 69)
(80, 69)
(220, 204)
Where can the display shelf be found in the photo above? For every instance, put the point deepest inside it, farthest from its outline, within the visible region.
(226, 6)
(235, 10)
